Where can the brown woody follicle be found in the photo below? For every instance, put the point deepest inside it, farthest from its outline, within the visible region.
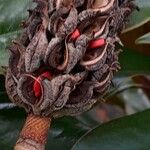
(78, 70)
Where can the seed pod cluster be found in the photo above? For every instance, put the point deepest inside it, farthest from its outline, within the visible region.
(66, 55)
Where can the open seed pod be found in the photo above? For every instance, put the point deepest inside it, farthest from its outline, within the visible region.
(66, 55)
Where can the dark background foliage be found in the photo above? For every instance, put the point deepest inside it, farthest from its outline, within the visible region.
(128, 100)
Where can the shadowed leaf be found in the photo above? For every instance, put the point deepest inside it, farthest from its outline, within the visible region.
(145, 39)
(128, 133)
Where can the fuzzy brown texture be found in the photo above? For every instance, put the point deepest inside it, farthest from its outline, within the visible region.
(34, 133)
(80, 74)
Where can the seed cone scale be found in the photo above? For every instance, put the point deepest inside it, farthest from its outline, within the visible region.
(66, 56)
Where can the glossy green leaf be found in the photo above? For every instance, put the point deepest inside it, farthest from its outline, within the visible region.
(135, 100)
(128, 133)
(141, 17)
(145, 39)
(10, 125)
(133, 63)
(133, 92)
(11, 14)
(4, 41)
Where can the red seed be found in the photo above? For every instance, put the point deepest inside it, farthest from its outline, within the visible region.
(37, 86)
(47, 75)
(75, 34)
(96, 43)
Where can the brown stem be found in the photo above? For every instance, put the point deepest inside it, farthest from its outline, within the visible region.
(34, 133)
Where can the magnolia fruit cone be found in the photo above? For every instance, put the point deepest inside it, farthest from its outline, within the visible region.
(64, 61)
(34, 133)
